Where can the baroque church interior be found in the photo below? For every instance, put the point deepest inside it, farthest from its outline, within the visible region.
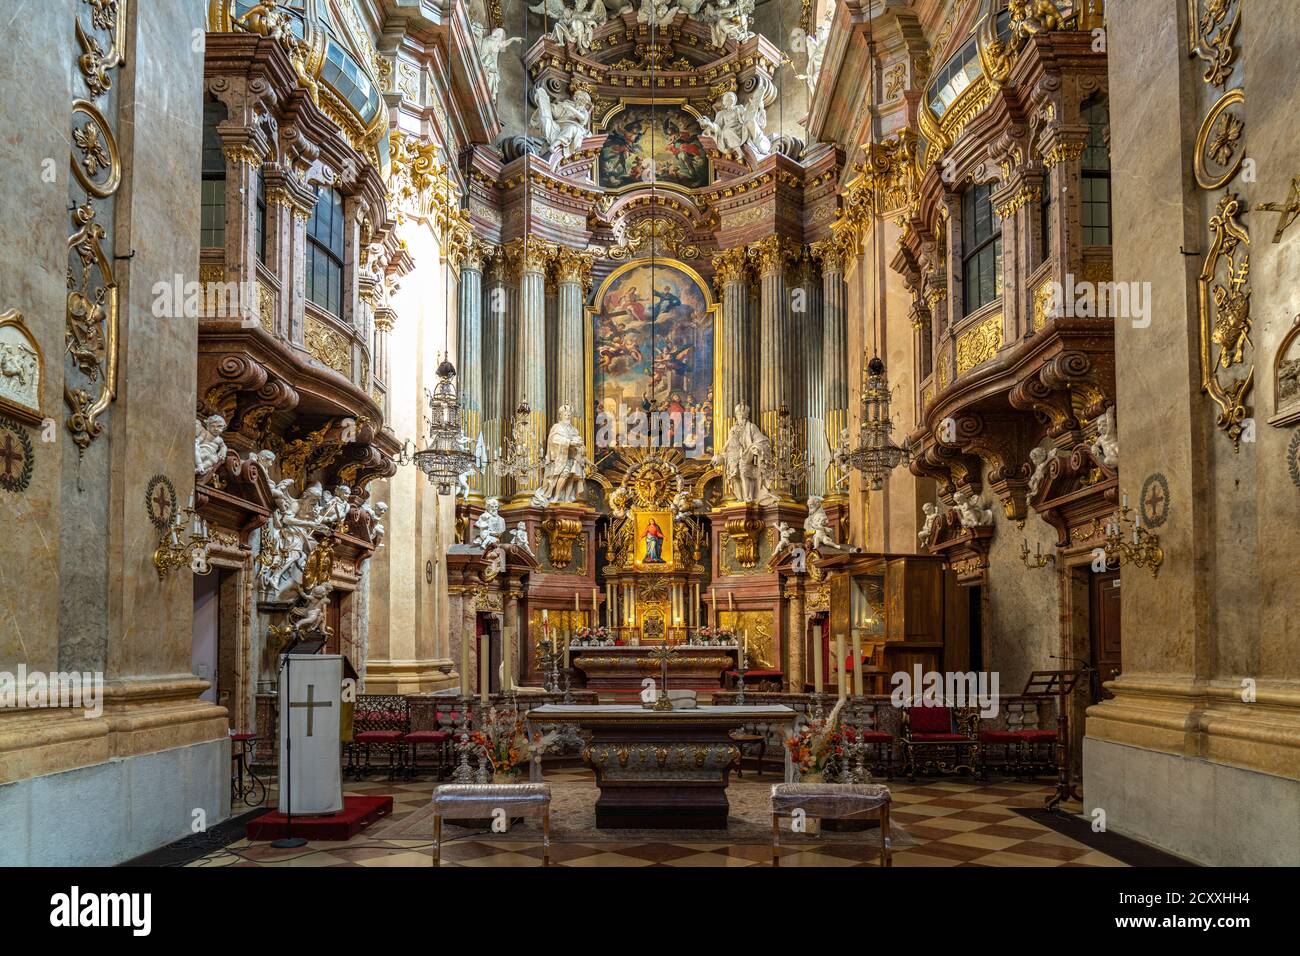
(650, 432)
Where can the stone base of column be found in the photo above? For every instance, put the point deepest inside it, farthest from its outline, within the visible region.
(408, 677)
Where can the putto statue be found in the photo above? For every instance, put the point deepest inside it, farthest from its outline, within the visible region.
(734, 126)
(742, 461)
(786, 537)
(209, 446)
(490, 525)
(519, 538)
(728, 20)
(564, 124)
(565, 466)
(932, 516)
(1106, 445)
(971, 510)
(1041, 459)
(490, 47)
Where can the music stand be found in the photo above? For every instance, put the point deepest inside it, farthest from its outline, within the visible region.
(1058, 684)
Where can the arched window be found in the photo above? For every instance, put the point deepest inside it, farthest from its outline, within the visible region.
(212, 217)
(981, 244)
(1045, 217)
(1096, 176)
(325, 252)
(260, 224)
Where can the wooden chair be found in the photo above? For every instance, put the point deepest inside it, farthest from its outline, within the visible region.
(831, 801)
(474, 801)
(941, 740)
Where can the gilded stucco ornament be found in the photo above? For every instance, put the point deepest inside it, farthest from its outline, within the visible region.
(1212, 36)
(1224, 307)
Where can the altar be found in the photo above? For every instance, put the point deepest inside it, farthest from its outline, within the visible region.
(620, 670)
(661, 769)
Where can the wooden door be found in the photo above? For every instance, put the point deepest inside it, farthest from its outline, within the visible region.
(1103, 626)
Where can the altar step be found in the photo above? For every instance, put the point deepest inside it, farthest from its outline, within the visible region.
(358, 813)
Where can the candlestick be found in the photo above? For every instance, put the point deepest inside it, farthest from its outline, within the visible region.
(857, 663)
(484, 670)
(839, 656)
(817, 665)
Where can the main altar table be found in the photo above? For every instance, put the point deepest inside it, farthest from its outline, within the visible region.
(620, 670)
(661, 769)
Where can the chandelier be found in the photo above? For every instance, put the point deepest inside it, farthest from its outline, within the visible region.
(447, 456)
(876, 455)
(519, 461)
(789, 465)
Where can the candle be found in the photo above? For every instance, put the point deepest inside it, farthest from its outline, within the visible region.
(857, 664)
(464, 665)
(817, 665)
(507, 652)
(483, 670)
(594, 605)
(731, 602)
(744, 650)
(839, 656)
(713, 607)
(575, 605)
(566, 655)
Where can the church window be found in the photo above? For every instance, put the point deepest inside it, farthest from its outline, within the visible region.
(325, 252)
(1096, 177)
(212, 222)
(981, 249)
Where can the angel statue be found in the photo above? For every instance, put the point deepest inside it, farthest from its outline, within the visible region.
(814, 45)
(729, 20)
(564, 124)
(209, 446)
(577, 24)
(490, 47)
(658, 12)
(1106, 445)
(309, 616)
(734, 125)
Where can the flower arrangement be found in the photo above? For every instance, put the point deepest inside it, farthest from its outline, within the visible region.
(599, 636)
(817, 747)
(506, 741)
(716, 637)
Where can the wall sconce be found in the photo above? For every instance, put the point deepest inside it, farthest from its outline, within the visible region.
(1127, 542)
(1039, 560)
(179, 546)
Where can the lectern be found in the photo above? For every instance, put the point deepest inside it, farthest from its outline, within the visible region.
(311, 778)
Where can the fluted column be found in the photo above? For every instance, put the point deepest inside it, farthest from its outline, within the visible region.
(770, 256)
(835, 354)
(496, 401)
(529, 360)
(731, 276)
(382, 371)
(573, 278)
(469, 347)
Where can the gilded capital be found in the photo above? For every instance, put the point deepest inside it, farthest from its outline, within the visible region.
(571, 265)
(529, 255)
(771, 255)
(730, 265)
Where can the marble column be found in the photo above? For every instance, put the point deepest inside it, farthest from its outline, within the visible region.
(469, 348)
(795, 649)
(771, 256)
(834, 355)
(731, 275)
(572, 277)
(497, 401)
(807, 322)
(529, 360)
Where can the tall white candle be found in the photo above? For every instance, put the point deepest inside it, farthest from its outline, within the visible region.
(713, 607)
(507, 653)
(484, 684)
(464, 664)
(817, 664)
(839, 657)
(857, 663)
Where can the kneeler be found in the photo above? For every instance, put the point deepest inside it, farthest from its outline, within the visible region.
(831, 801)
(473, 801)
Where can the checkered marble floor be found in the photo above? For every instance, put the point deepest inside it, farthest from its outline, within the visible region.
(953, 821)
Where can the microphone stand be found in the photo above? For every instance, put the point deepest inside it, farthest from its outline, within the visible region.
(288, 841)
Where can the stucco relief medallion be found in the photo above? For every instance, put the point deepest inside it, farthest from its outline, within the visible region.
(15, 456)
(1154, 502)
(160, 501)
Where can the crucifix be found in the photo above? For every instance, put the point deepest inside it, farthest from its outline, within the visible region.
(160, 502)
(311, 703)
(663, 654)
(1287, 210)
(10, 455)
(1154, 499)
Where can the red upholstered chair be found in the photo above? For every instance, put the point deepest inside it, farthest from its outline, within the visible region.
(439, 740)
(380, 721)
(940, 740)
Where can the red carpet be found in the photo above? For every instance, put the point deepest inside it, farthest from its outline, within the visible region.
(357, 814)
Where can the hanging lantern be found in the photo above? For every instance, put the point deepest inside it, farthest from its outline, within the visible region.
(876, 455)
(447, 456)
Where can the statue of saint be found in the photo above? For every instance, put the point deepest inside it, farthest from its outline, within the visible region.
(490, 525)
(565, 467)
(741, 458)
